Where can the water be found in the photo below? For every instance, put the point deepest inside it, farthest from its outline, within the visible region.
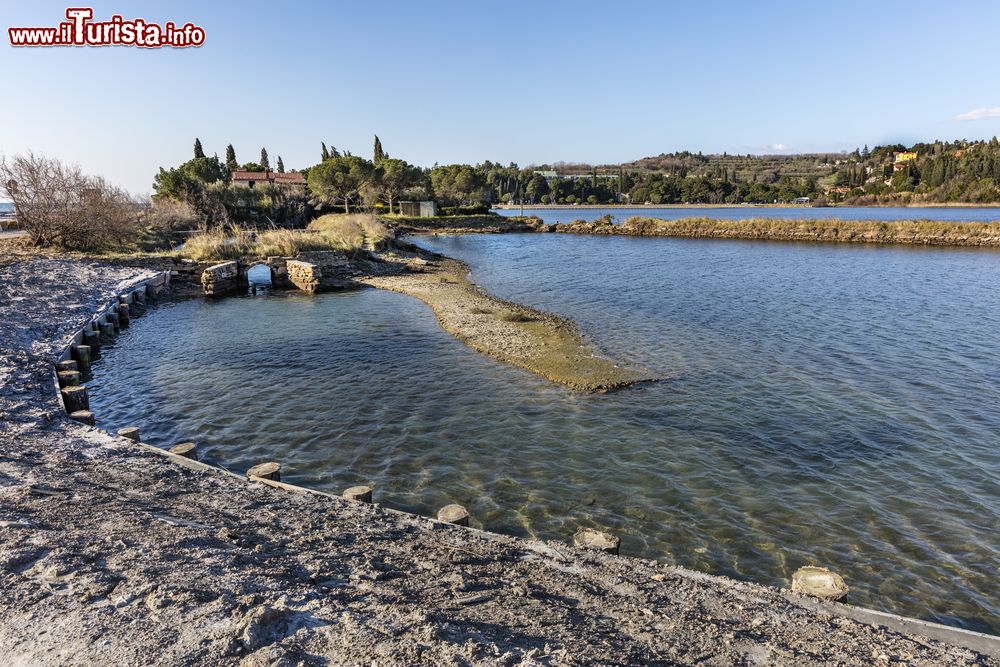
(823, 404)
(955, 214)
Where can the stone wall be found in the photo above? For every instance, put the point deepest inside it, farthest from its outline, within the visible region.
(304, 275)
(221, 279)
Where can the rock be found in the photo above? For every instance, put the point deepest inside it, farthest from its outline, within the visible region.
(819, 582)
(588, 538)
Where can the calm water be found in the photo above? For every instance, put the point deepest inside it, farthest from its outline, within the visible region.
(563, 215)
(824, 404)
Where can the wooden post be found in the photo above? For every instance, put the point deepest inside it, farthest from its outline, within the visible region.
(112, 318)
(138, 305)
(123, 315)
(129, 433)
(68, 365)
(107, 333)
(150, 292)
(185, 449)
(83, 416)
(82, 355)
(68, 378)
(588, 538)
(92, 339)
(75, 398)
(455, 514)
(269, 470)
(359, 493)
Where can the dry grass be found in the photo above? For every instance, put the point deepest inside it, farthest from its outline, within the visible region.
(513, 316)
(350, 232)
(237, 242)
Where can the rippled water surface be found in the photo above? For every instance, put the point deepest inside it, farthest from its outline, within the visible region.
(823, 404)
(619, 214)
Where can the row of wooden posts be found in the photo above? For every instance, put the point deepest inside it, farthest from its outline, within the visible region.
(71, 372)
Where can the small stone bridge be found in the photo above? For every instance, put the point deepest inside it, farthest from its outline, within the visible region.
(309, 271)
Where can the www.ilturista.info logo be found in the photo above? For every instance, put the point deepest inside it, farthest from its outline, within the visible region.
(80, 30)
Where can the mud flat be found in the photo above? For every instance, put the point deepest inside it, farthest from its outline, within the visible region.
(114, 553)
(530, 339)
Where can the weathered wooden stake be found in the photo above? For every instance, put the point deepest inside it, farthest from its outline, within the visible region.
(138, 305)
(588, 538)
(107, 333)
(129, 433)
(269, 470)
(92, 339)
(819, 582)
(455, 514)
(112, 317)
(185, 449)
(75, 398)
(83, 416)
(360, 493)
(67, 365)
(150, 292)
(68, 378)
(123, 315)
(82, 355)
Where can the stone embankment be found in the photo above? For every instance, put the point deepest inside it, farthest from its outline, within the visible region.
(114, 552)
(897, 232)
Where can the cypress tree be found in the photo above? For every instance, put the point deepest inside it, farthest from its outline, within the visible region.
(326, 153)
(231, 163)
(379, 153)
(263, 160)
(198, 152)
(281, 166)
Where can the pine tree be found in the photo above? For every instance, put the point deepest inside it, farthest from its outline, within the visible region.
(379, 153)
(326, 153)
(198, 152)
(263, 160)
(281, 166)
(334, 152)
(231, 163)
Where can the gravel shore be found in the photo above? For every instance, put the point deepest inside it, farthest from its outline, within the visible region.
(113, 554)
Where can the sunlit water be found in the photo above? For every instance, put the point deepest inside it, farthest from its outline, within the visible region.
(620, 214)
(823, 404)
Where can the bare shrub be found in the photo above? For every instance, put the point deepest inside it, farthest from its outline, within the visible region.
(169, 215)
(59, 206)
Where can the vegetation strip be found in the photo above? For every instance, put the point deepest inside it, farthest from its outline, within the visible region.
(907, 232)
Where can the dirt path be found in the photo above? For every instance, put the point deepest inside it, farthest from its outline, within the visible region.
(111, 554)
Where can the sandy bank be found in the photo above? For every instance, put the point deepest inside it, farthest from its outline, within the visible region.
(112, 554)
(530, 339)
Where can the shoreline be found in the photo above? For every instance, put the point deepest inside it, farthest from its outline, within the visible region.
(127, 554)
(512, 207)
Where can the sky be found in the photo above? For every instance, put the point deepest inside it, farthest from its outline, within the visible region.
(527, 82)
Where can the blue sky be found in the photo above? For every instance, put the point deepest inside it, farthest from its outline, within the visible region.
(528, 82)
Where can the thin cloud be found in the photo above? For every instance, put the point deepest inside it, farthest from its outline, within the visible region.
(983, 112)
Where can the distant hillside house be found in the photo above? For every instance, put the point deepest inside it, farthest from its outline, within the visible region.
(252, 178)
(902, 159)
(418, 209)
